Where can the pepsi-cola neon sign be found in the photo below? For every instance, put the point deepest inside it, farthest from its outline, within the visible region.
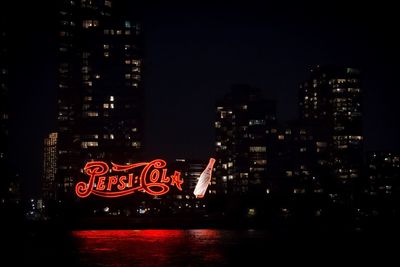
(121, 180)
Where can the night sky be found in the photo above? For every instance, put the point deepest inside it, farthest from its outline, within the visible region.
(194, 52)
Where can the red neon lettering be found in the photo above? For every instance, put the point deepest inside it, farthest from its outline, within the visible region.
(148, 177)
(111, 181)
(176, 180)
(164, 178)
(130, 180)
(93, 169)
(100, 184)
(122, 182)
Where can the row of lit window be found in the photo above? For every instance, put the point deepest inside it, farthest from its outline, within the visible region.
(348, 137)
(224, 114)
(132, 76)
(90, 23)
(257, 122)
(258, 149)
(350, 90)
(90, 98)
(105, 106)
(106, 136)
(341, 81)
(117, 32)
(87, 144)
(136, 62)
(66, 23)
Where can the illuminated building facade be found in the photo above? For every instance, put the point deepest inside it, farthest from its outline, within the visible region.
(49, 167)
(243, 118)
(185, 201)
(330, 104)
(100, 92)
(383, 170)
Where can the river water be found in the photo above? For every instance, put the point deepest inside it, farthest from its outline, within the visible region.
(198, 247)
(195, 247)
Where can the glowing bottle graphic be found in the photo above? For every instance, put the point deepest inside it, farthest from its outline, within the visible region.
(204, 180)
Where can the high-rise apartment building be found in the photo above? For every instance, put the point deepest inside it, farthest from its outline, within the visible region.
(330, 104)
(100, 91)
(49, 167)
(383, 170)
(243, 118)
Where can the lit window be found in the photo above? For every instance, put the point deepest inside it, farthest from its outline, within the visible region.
(90, 23)
(106, 54)
(111, 98)
(340, 80)
(260, 162)
(257, 149)
(111, 136)
(111, 105)
(322, 144)
(89, 144)
(88, 83)
(106, 46)
(135, 62)
(91, 114)
(136, 144)
(106, 105)
(256, 122)
(127, 24)
(107, 3)
(281, 137)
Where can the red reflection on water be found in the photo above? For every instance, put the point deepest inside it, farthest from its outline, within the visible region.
(149, 247)
(161, 234)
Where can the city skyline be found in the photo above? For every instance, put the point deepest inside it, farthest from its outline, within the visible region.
(173, 106)
(217, 133)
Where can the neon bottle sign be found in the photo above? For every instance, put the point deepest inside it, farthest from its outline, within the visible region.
(152, 179)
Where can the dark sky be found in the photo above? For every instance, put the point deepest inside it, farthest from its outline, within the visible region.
(194, 51)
